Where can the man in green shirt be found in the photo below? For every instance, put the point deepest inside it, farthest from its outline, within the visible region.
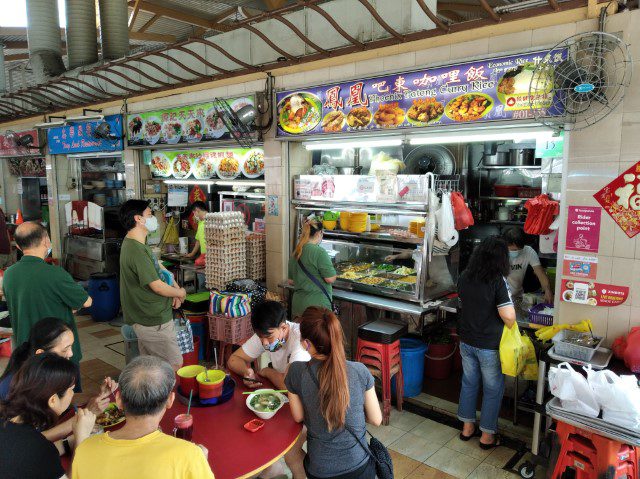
(146, 299)
(200, 211)
(35, 290)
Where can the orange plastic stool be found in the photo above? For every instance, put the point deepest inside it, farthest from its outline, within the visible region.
(386, 359)
(592, 455)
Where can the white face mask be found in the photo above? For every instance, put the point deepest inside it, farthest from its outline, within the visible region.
(151, 223)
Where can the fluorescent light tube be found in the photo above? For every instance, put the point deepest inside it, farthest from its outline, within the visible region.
(189, 182)
(363, 143)
(241, 183)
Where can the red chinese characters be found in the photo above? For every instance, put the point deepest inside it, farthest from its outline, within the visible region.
(621, 199)
(357, 96)
(333, 99)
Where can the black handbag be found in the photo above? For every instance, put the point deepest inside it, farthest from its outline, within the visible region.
(315, 280)
(376, 450)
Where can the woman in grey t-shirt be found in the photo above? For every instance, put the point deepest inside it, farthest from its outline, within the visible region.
(335, 398)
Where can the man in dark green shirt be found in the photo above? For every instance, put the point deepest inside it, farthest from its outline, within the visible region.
(146, 299)
(35, 290)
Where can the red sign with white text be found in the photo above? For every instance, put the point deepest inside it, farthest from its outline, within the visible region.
(621, 199)
(583, 228)
(593, 294)
(580, 266)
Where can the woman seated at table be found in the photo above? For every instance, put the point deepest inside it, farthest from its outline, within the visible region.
(41, 391)
(335, 398)
(52, 335)
(486, 307)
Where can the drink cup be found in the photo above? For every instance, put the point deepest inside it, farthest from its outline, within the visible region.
(183, 426)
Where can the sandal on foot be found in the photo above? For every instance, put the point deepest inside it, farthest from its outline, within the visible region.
(496, 442)
(476, 433)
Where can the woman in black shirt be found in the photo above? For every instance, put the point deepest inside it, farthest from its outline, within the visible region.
(40, 392)
(486, 307)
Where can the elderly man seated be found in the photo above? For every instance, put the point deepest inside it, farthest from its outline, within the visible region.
(140, 450)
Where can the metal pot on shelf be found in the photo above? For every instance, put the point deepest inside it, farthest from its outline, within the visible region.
(522, 157)
(492, 157)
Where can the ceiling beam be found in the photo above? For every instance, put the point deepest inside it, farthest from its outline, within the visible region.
(178, 15)
(273, 4)
(151, 21)
(153, 37)
(460, 7)
(451, 15)
(134, 14)
(18, 56)
(489, 9)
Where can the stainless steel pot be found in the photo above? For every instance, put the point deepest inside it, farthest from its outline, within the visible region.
(500, 158)
(522, 157)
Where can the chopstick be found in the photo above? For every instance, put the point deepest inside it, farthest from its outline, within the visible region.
(268, 390)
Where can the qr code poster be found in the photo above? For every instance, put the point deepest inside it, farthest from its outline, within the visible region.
(593, 294)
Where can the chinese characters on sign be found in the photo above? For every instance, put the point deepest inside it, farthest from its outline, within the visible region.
(621, 199)
(78, 138)
(583, 228)
(479, 91)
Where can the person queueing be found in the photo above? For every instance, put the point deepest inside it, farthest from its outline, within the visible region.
(42, 390)
(335, 398)
(35, 290)
(146, 299)
(310, 270)
(52, 335)
(486, 308)
(280, 339)
(140, 449)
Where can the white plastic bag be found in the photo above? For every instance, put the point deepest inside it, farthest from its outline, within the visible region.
(573, 390)
(446, 224)
(618, 396)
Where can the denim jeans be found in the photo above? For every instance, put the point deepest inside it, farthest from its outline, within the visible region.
(481, 366)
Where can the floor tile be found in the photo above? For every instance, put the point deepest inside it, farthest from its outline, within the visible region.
(435, 432)
(84, 324)
(499, 456)
(452, 462)
(386, 434)
(486, 471)
(97, 369)
(468, 448)
(405, 420)
(415, 447)
(116, 347)
(428, 472)
(402, 465)
(107, 333)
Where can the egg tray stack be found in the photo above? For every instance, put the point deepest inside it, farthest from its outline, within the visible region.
(256, 256)
(226, 248)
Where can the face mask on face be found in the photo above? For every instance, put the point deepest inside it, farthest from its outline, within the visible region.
(514, 254)
(151, 223)
(48, 252)
(275, 346)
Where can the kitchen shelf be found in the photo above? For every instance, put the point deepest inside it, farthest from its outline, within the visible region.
(503, 198)
(506, 222)
(372, 236)
(510, 167)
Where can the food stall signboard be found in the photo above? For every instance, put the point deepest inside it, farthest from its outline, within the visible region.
(8, 147)
(593, 294)
(479, 91)
(181, 125)
(580, 266)
(227, 164)
(621, 199)
(79, 137)
(583, 228)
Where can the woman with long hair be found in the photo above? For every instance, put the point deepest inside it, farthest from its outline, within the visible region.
(486, 308)
(51, 335)
(335, 398)
(310, 270)
(41, 391)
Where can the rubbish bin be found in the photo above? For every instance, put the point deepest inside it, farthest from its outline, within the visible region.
(412, 352)
(131, 350)
(105, 292)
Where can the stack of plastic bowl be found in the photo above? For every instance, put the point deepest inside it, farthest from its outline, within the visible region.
(210, 383)
(187, 379)
(417, 226)
(358, 222)
(344, 220)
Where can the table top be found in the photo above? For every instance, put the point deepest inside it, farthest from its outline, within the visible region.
(233, 451)
(176, 258)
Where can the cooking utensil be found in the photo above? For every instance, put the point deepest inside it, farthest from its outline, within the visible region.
(522, 156)
(501, 158)
(346, 171)
(268, 390)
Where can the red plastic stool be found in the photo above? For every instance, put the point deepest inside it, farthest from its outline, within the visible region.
(592, 455)
(386, 361)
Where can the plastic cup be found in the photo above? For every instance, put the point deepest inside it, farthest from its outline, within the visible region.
(183, 426)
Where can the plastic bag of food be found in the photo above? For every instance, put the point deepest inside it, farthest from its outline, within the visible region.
(530, 371)
(512, 351)
(461, 212)
(632, 351)
(618, 396)
(573, 390)
(383, 162)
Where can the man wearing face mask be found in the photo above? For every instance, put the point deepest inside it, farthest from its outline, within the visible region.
(35, 289)
(520, 257)
(147, 301)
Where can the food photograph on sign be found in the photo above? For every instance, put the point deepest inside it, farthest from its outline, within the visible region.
(225, 164)
(489, 90)
(593, 294)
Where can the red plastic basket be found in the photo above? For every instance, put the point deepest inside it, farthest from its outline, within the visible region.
(527, 192)
(230, 330)
(536, 317)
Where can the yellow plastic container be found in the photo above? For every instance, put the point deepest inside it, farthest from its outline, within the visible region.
(329, 225)
(417, 227)
(344, 220)
(215, 376)
(213, 387)
(358, 222)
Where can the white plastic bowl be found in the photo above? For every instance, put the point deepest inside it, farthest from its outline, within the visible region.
(270, 414)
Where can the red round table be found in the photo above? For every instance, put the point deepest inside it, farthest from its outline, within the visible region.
(233, 451)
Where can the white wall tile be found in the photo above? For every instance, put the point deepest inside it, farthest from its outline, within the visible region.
(618, 323)
(433, 56)
(400, 62)
(510, 42)
(342, 72)
(591, 176)
(623, 246)
(549, 36)
(471, 49)
(369, 67)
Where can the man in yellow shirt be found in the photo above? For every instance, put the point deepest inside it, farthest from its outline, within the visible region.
(140, 450)
(200, 210)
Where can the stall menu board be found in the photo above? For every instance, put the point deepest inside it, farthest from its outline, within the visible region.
(226, 164)
(621, 199)
(181, 125)
(79, 138)
(8, 147)
(479, 91)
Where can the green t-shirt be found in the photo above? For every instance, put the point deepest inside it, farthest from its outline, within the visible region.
(35, 290)
(200, 237)
(140, 305)
(306, 292)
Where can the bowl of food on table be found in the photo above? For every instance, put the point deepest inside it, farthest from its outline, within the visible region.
(265, 403)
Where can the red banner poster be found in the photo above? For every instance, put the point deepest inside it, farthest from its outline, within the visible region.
(593, 294)
(583, 228)
(621, 199)
(580, 266)
(8, 146)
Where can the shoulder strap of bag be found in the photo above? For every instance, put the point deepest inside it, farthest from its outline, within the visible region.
(347, 428)
(315, 281)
